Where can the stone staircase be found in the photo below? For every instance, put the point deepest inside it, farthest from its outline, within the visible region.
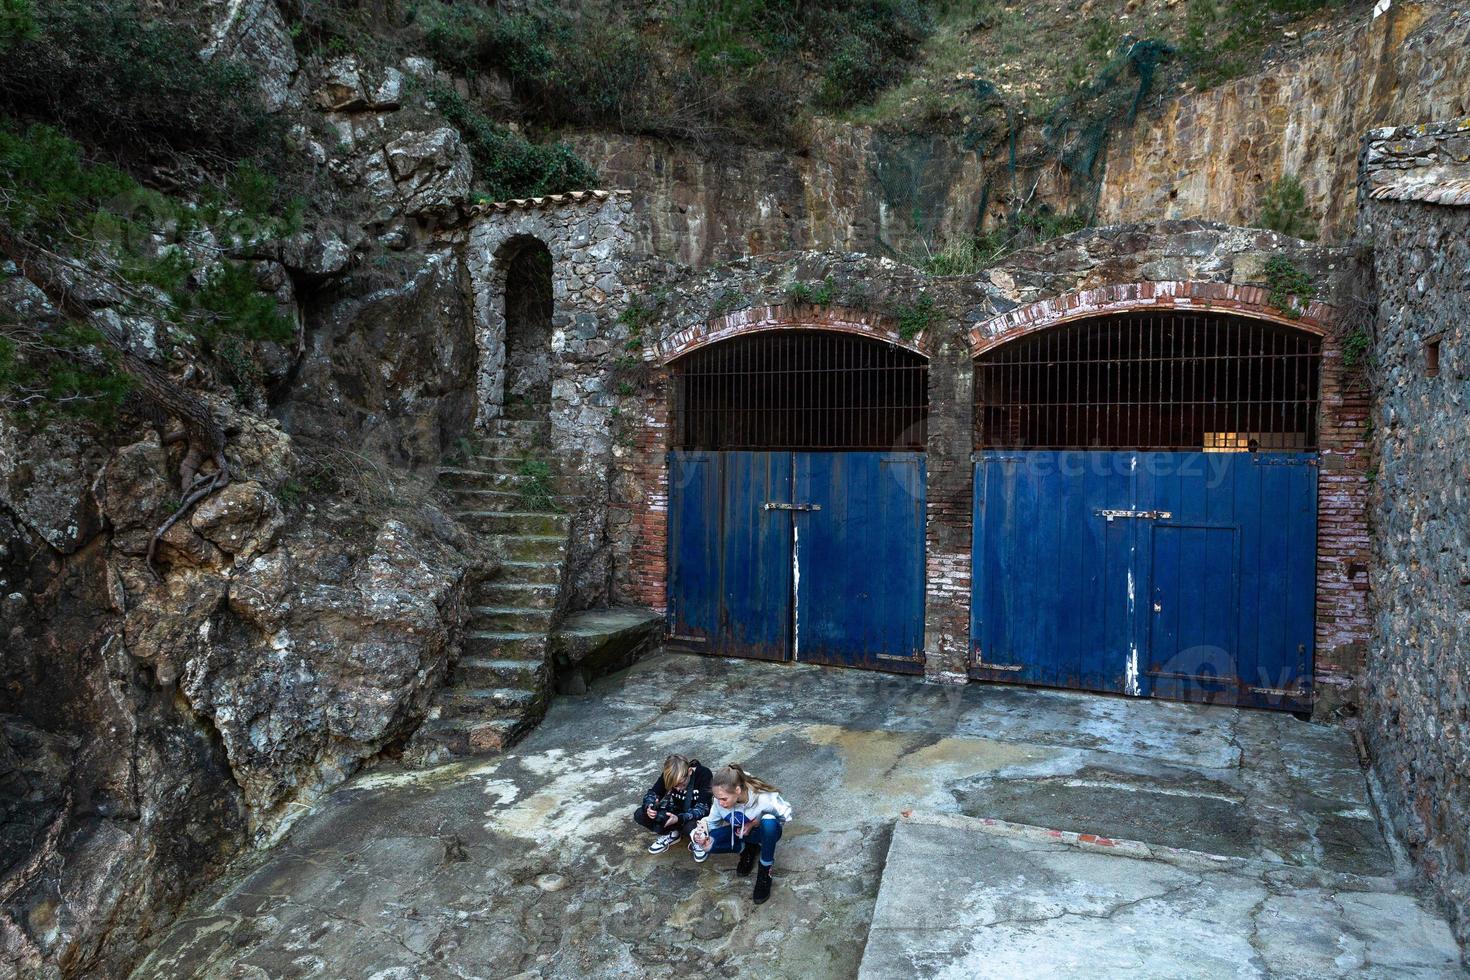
(500, 686)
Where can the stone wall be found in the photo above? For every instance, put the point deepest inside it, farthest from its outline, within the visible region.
(590, 238)
(1417, 706)
(1173, 263)
(1213, 154)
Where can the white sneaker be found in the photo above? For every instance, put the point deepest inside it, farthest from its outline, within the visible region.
(661, 843)
(699, 853)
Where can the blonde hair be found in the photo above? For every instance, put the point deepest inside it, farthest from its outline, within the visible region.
(676, 767)
(734, 776)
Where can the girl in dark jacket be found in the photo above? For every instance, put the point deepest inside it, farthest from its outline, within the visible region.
(674, 804)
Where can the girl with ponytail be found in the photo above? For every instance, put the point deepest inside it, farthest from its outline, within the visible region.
(746, 816)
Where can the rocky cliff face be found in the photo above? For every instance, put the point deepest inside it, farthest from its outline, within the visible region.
(1213, 154)
(850, 189)
(1209, 155)
(154, 725)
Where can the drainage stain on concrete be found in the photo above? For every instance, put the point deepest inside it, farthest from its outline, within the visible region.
(527, 864)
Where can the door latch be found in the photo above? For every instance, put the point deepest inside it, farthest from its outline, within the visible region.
(1142, 515)
(771, 505)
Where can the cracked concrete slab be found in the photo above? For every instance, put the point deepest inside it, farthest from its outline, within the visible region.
(527, 863)
(1029, 902)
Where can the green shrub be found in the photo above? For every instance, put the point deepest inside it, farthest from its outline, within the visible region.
(507, 165)
(1219, 39)
(17, 22)
(51, 197)
(1284, 209)
(871, 46)
(133, 87)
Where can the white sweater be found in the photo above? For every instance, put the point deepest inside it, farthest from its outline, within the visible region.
(754, 808)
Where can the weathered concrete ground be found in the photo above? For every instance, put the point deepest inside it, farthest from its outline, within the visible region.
(528, 863)
(1035, 902)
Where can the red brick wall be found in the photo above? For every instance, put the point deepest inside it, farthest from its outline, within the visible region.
(949, 503)
(639, 510)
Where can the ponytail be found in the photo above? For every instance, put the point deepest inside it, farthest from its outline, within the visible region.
(734, 777)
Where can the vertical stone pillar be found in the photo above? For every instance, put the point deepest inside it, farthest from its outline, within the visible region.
(947, 504)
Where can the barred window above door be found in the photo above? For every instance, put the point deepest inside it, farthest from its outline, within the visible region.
(800, 389)
(1166, 380)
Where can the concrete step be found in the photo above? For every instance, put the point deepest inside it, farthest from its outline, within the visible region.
(470, 497)
(534, 572)
(505, 645)
(501, 672)
(470, 477)
(534, 547)
(509, 619)
(519, 595)
(516, 522)
(527, 432)
(492, 463)
(465, 736)
(465, 702)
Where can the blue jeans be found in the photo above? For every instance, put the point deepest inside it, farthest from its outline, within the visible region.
(765, 833)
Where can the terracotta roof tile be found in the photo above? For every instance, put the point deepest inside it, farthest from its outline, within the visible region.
(549, 201)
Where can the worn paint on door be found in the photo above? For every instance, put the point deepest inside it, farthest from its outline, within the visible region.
(814, 556)
(1178, 575)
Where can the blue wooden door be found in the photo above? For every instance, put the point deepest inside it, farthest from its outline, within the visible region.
(1050, 604)
(1179, 575)
(859, 560)
(819, 556)
(729, 555)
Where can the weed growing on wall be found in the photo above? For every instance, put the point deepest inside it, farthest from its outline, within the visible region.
(916, 317)
(1289, 289)
(812, 294)
(1357, 348)
(537, 492)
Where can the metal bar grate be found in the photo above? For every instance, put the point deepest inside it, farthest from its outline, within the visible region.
(801, 390)
(1180, 381)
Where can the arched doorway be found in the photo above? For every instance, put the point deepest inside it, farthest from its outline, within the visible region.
(1145, 508)
(528, 309)
(796, 501)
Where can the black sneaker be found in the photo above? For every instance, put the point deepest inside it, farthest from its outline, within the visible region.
(747, 858)
(762, 884)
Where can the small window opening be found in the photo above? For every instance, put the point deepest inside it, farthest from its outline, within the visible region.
(1431, 357)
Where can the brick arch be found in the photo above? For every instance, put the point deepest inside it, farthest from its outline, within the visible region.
(784, 316)
(1212, 297)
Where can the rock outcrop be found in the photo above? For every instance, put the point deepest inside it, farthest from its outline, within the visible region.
(153, 727)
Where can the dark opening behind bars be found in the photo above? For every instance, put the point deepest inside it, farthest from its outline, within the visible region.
(1151, 381)
(801, 390)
